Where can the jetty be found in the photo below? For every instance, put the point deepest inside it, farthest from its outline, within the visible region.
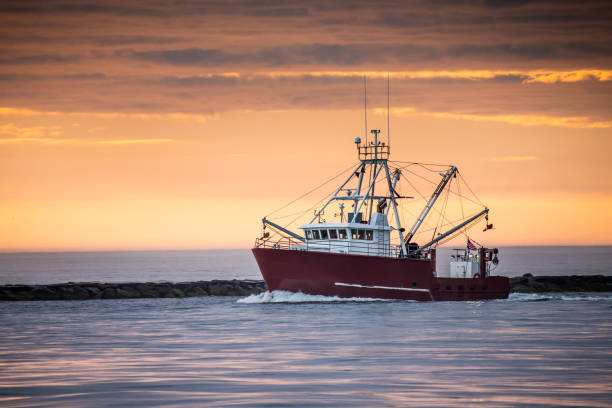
(132, 290)
(97, 290)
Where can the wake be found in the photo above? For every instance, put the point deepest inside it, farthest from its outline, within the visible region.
(282, 296)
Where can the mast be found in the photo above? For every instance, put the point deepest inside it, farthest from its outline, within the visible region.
(375, 132)
(388, 127)
(365, 109)
(373, 158)
(394, 204)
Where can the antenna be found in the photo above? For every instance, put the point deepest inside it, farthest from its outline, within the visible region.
(388, 128)
(365, 108)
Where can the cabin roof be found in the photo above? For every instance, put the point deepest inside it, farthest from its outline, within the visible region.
(345, 225)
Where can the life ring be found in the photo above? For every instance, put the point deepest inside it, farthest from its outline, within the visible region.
(476, 275)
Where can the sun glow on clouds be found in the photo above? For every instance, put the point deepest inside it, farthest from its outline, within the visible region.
(11, 133)
(8, 111)
(522, 120)
(529, 76)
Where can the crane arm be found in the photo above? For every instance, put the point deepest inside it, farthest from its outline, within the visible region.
(432, 200)
(282, 229)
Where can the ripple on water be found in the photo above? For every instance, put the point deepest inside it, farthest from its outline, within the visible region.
(214, 351)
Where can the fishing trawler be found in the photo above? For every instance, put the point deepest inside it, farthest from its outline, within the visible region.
(364, 255)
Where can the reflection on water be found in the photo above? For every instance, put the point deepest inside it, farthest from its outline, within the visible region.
(216, 351)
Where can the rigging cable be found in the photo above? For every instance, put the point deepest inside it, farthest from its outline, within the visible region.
(441, 213)
(463, 230)
(456, 233)
(460, 200)
(468, 186)
(435, 184)
(311, 191)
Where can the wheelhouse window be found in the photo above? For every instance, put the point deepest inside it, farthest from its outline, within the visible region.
(323, 234)
(315, 234)
(333, 234)
(308, 234)
(342, 233)
(360, 234)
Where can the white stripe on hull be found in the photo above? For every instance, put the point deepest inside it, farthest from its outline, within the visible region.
(355, 285)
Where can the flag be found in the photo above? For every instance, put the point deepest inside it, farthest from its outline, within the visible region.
(471, 246)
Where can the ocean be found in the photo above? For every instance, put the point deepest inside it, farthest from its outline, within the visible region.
(189, 266)
(281, 349)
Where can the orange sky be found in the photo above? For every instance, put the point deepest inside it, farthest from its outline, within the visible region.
(127, 126)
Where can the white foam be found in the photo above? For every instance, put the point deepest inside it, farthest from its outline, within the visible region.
(587, 297)
(574, 296)
(282, 296)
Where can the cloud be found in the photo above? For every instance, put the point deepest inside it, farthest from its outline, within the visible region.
(360, 54)
(42, 133)
(229, 78)
(525, 76)
(532, 51)
(185, 57)
(289, 55)
(582, 93)
(12, 134)
(132, 141)
(338, 76)
(104, 40)
(83, 76)
(35, 59)
(580, 122)
(64, 8)
(9, 111)
(151, 10)
(569, 76)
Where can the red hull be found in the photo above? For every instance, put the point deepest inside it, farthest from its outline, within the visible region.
(322, 273)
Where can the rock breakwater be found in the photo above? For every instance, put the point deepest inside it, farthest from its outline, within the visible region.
(96, 290)
(575, 283)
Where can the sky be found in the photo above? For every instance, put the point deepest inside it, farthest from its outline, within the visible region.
(179, 125)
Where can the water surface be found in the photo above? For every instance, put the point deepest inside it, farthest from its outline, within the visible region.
(530, 350)
(283, 349)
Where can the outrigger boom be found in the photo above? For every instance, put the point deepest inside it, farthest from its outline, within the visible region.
(450, 232)
(282, 229)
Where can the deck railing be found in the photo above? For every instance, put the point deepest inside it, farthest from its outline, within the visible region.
(333, 246)
(282, 243)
